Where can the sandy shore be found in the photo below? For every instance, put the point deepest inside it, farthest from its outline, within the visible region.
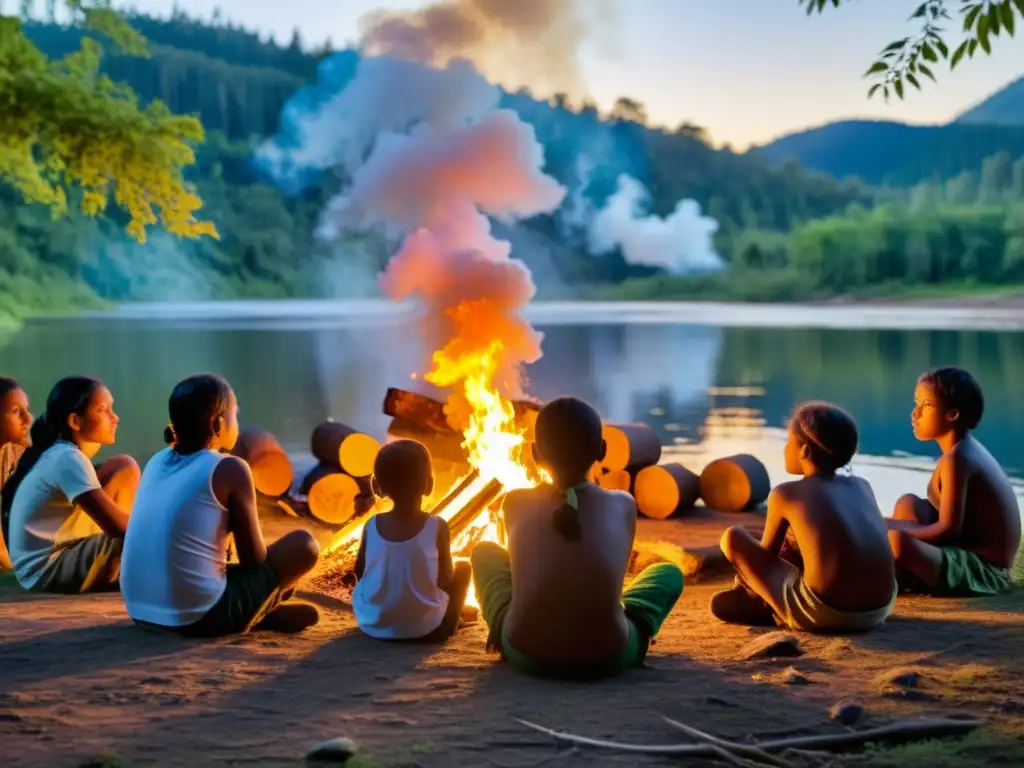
(80, 682)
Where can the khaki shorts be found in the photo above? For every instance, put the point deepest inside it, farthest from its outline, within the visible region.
(92, 564)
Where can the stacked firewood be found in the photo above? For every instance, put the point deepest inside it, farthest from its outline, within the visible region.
(632, 464)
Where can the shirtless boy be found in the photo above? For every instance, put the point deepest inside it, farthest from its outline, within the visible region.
(961, 540)
(554, 603)
(848, 580)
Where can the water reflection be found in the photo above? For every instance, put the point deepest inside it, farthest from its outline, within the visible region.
(697, 384)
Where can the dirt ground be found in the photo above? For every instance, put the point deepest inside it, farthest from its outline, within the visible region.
(81, 685)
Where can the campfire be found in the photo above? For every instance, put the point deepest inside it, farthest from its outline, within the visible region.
(476, 462)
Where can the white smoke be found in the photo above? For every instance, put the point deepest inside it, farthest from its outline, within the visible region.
(682, 243)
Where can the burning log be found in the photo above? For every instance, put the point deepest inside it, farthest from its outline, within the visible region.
(345, 448)
(734, 483)
(471, 509)
(663, 490)
(426, 412)
(272, 471)
(630, 446)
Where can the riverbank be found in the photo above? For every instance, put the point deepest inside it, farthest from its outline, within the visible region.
(952, 314)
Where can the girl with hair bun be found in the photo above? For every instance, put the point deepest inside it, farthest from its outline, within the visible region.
(63, 517)
(193, 496)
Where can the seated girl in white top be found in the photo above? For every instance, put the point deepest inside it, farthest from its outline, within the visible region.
(175, 575)
(408, 588)
(64, 518)
(15, 421)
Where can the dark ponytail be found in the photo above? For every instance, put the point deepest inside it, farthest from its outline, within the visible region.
(68, 396)
(566, 521)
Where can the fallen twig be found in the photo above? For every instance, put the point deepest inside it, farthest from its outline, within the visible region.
(899, 731)
(746, 750)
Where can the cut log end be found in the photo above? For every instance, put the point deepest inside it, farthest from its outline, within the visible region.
(664, 490)
(272, 471)
(615, 480)
(735, 483)
(357, 454)
(630, 445)
(332, 499)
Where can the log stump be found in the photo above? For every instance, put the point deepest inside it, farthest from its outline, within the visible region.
(664, 490)
(632, 446)
(734, 483)
(272, 471)
(345, 448)
(333, 499)
(615, 480)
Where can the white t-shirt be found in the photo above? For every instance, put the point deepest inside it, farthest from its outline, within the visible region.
(43, 516)
(174, 563)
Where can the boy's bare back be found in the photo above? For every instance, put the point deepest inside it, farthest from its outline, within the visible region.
(842, 538)
(991, 520)
(566, 604)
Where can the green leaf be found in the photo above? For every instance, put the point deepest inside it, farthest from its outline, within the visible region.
(913, 81)
(971, 16)
(984, 43)
(944, 49)
(927, 72)
(1006, 11)
(898, 87)
(994, 22)
(873, 89)
(972, 46)
(878, 66)
(885, 94)
(958, 54)
(928, 53)
(1020, 6)
(922, 9)
(895, 45)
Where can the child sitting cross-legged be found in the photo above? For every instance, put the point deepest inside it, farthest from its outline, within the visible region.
(962, 540)
(408, 586)
(554, 603)
(847, 581)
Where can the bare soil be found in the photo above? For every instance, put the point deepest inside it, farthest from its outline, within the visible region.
(81, 683)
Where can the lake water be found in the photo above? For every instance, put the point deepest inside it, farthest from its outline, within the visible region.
(712, 379)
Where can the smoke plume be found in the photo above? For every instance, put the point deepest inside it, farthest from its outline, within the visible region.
(682, 243)
(513, 42)
(429, 158)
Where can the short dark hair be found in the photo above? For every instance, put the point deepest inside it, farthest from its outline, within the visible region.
(402, 469)
(957, 390)
(194, 405)
(829, 432)
(8, 384)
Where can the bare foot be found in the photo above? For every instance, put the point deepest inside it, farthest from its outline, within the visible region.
(290, 618)
(739, 606)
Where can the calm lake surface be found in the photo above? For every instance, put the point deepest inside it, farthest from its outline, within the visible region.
(718, 376)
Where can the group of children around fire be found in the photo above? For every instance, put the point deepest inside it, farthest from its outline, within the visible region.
(557, 602)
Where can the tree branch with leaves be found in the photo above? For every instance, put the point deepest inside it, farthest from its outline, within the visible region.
(63, 125)
(909, 59)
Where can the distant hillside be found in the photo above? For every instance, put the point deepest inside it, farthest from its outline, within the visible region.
(895, 154)
(1004, 107)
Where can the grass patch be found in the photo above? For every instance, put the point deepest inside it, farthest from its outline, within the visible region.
(976, 750)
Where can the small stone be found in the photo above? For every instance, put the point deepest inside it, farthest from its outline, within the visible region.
(771, 646)
(337, 750)
(793, 676)
(846, 712)
(901, 677)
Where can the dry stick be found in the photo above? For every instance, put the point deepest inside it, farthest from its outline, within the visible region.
(728, 757)
(747, 750)
(903, 729)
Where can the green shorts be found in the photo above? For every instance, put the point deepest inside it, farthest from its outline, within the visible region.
(964, 574)
(647, 601)
(92, 564)
(250, 595)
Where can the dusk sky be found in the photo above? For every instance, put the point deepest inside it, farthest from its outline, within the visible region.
(748, 70)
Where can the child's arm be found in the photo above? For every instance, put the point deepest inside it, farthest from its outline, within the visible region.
(953, 476)
(445, 566)
(775, 522)
(233, 487)
(361, 556)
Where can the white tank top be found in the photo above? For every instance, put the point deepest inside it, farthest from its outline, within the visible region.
(174, 565)
(398, 597)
